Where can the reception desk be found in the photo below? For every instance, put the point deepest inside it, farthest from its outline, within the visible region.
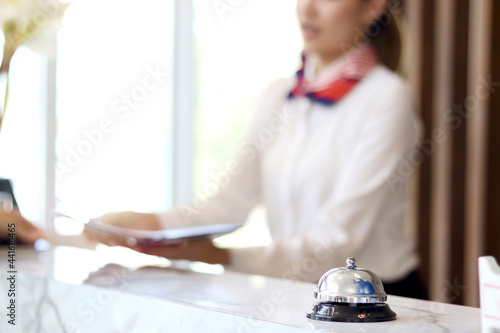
(71, 290)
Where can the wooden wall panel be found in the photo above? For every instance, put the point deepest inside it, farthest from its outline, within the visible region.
(477, 109)
(441, 163)
(493, 157)
(426, 92)
(459, 148)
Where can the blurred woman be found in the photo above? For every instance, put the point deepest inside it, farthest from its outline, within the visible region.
(323, 155)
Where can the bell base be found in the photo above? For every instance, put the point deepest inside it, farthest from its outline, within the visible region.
(351, 312)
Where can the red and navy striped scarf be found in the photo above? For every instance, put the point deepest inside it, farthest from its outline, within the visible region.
(328, 89)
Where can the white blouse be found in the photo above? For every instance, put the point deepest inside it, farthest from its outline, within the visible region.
(333, 180)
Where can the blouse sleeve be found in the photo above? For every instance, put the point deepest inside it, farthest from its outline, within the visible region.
(366, 185)
(236, 189)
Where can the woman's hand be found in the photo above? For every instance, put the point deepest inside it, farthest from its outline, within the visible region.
(130, 220)
(25, 231)
(194, 250)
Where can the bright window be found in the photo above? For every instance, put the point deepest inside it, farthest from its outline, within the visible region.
(242, 46)
(20, 134)
(114, 106)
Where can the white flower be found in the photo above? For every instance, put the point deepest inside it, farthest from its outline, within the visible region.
(27, 22)
(30, 23)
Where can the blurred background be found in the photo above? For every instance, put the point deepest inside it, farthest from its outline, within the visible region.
(136, 105)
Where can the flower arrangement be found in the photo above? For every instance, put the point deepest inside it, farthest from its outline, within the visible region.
(26, 22)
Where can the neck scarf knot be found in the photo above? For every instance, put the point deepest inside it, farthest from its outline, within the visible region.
(328, 89)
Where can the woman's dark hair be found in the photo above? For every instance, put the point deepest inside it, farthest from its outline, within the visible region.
(385, 37)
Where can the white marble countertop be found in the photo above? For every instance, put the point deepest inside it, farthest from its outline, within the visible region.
(73, 290)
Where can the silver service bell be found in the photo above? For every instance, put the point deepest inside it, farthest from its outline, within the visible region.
(350, 294)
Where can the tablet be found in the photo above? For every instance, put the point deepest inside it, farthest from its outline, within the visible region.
(165, 236)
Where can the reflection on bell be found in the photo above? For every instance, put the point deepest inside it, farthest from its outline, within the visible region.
(350, 295)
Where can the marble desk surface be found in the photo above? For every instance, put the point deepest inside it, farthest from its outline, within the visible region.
(67, 289)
